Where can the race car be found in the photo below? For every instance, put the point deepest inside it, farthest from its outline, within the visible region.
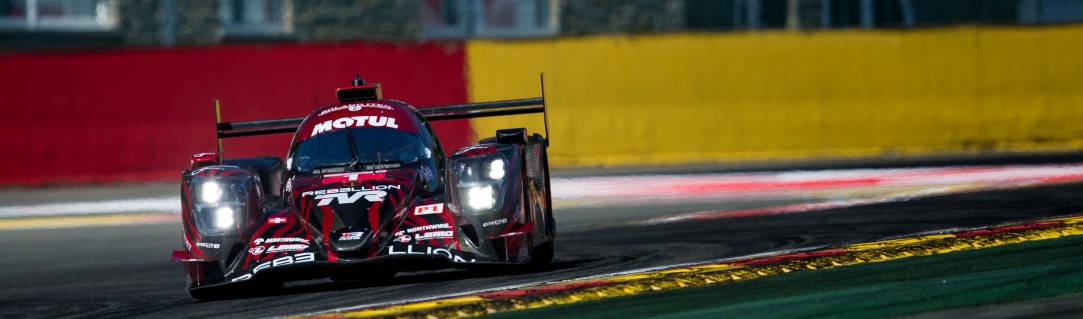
(366, 191)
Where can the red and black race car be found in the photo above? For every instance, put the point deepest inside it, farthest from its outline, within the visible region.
(366, 191)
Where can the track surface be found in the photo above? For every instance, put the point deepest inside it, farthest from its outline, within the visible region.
(124, 271)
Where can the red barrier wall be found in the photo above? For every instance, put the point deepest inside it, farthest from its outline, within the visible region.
(137, 115)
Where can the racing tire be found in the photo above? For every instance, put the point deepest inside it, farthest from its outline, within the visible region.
(235, 291)
(375, 275)
(208, 294)
(543, 255)
(216, 293)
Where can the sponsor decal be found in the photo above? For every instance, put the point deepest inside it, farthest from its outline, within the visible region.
(435, 235)
(520, 212)
(287, 247)
(495, 222)
(352, 235)
(273, 240)
(276, 220)
(255, 251)
(425, 250)
(278, 262)
(354, 121)
(426, 227)
(403, 239)
(350, 195)
(208, 245)
(425, 170)
(350, 189)
(354, 107)
(429, 209)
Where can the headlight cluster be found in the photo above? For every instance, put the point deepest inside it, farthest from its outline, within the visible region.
(480, 197)
(479, 182)
(223, 217)
(218, 205)
(210, 192)
(496, 169)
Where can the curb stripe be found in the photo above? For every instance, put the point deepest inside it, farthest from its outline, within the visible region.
(717, 273)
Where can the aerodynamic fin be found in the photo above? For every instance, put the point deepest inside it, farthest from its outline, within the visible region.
(435, 113)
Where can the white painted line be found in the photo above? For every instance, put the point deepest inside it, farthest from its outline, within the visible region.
(139, 205)
(801, 208)
(647, 189)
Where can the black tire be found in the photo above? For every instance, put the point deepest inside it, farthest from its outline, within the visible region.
(209, 294)
(549, 197)
(543, 255)
(236, 291)
(370, 275)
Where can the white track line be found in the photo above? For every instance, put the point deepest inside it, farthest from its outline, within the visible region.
(645, 189)
(169, 204)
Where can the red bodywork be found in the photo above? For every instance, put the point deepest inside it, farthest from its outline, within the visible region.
(239, 227)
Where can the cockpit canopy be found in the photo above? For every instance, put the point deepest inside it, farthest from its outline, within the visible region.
(361, 148)
(363, 136)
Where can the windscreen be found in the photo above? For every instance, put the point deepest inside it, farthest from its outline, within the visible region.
(356, 149)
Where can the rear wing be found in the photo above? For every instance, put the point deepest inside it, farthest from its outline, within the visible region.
(435, 113)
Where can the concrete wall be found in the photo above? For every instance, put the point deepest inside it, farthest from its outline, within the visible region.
(627, 16)
(341, 20)
(779, 95)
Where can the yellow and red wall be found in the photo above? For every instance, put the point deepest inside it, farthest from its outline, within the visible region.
(684, 98)
(136, 114)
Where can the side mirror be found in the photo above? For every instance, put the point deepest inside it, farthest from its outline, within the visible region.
(511, 136)
(205, 159)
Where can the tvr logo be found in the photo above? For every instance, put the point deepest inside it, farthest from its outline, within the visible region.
(343, 198)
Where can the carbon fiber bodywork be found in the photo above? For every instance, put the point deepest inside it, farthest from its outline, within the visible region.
(485, 204)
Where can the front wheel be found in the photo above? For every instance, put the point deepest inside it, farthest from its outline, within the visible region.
(543, 254)
(371, 275)
(235, 291)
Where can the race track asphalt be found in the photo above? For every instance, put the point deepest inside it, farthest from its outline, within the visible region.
(125, 271)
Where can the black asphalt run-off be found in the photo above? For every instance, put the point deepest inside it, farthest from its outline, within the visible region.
(124, 271)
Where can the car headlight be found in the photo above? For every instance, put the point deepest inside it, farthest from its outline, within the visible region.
(480, 197)
(479, 182)
(219, 205)
(210, 192)
(223, 218)
(496, 169)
